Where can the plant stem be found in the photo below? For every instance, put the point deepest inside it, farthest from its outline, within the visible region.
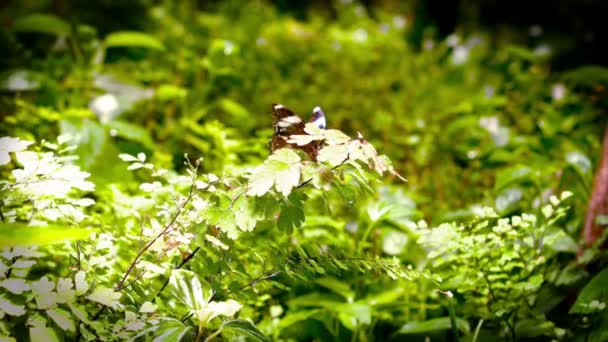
(479, 324)
(212, 336)
(151, 242)
(452, 315)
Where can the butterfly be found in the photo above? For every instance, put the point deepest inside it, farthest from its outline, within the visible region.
(286, 123)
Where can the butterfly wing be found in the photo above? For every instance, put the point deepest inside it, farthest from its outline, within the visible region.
(318, 117)
(287, 123)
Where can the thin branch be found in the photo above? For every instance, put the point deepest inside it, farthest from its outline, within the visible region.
(151, 242)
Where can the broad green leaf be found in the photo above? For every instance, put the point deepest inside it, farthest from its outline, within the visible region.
(91, 138)
(338, 287)
(170, 330)
(244, 328)
(42, 23)
(131, 132)
(40, 333)
(187, 288)
(20, 234)
(62, 318)
(354, 314)
(594, 296)
(133, 39)
(442, 323)
(513, 175)
(298, 316)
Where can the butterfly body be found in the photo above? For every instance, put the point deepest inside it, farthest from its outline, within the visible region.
(286, 123)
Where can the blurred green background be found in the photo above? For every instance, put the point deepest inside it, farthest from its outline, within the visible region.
(475, 102)
(458, 95)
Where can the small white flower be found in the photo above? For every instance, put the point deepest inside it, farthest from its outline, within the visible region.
(558, 92)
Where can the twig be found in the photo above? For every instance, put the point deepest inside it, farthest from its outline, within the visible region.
(151, 242)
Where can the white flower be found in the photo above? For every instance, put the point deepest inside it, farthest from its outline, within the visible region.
(558, 91)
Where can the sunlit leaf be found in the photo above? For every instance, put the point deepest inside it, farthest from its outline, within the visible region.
(21, 234)
(62, 318)
(442, 323)
(41, 23)
(133, 39)
(244, 328)
(187, 288)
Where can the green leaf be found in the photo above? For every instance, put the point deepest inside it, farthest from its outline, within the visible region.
(170, 329)
(282, 169)
(338, 287)
(187, 288)
(594, 295)
(105, 296)
(133, 39)
(291, 217)
(21, 234)
(292, 214)
(40, 333)
(10, 308)
(42, 23)
(517, 174)
(333, 154)
(244, 328)
(62, 318)
(91, 138)
(442, 323)
(132, 132)
(298, 316)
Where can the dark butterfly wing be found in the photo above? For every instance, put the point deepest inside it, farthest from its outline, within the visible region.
(287, 123)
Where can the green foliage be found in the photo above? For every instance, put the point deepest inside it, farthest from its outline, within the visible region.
(114, 227)
(498, 264)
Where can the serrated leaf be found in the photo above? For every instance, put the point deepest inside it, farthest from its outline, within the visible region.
(244, 328)
(105, 296)
(291, 217)
(333, 154)
(42, 23)
(133, 39)
(335, 137)
(62, 318)
(282, 169)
